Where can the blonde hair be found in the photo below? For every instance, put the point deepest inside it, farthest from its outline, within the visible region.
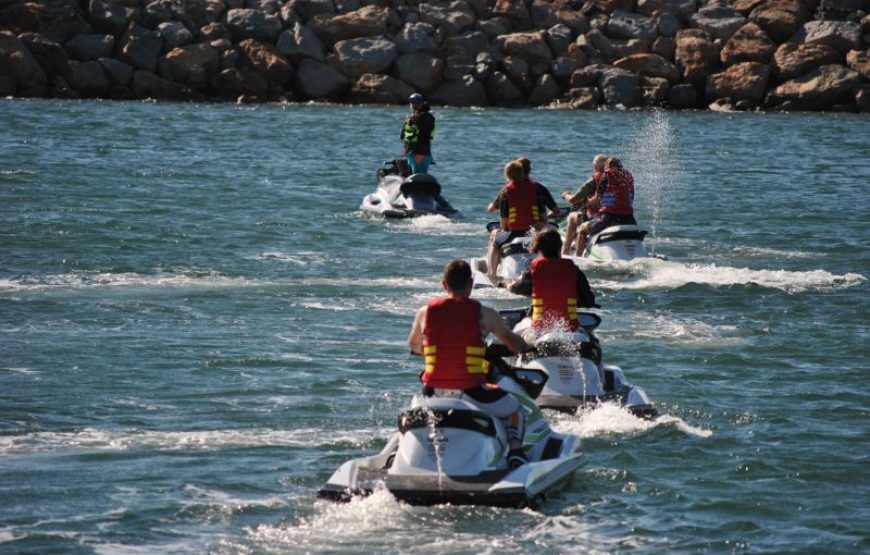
(513, 171)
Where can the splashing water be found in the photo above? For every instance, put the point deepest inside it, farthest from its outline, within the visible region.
(654, 164)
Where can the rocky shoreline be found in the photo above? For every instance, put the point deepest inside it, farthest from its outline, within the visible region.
(616, 54)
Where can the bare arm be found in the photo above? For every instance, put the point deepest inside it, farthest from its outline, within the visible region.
(415, 338)
(492, 322)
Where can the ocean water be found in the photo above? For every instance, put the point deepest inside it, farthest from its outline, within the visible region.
(197, 326)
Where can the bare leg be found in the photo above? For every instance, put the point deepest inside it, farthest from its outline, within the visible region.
(581, 239)
(492, 256)
(570, 232)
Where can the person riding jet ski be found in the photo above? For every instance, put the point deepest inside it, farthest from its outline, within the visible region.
(556, 285)
(449, 332)
(615, 199)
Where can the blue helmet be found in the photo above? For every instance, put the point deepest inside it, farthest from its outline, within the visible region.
(416, 98)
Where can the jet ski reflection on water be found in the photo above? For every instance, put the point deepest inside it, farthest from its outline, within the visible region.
(576, 376)
(399, 196)
(449, 451)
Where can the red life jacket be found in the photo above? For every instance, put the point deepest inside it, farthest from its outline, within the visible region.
(522, 199)
(452, 344)
(618, 197)
(554, 292)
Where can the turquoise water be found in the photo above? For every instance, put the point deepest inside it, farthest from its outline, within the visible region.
(197, 326)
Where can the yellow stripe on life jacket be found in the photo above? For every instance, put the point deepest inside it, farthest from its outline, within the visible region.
(474, 359)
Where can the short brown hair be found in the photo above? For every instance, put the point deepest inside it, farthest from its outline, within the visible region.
(457, 275)
(613, 162)
(526, 163)
(514, 171)
(548, 243)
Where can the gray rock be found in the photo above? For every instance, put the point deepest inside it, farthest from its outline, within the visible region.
(679, 8)
(500, 90)
(614, 49)
(271, 7)
(683, 96)
(582, 98)
(664, 47)
(416, 37)
(307, 9)
(467, 91)
(174, 34)
(654, 91)
(820, 89)
(457, 67)
(467, 45)
(542, 14)
(559, 37)
(842, 36)
(110, 17)
(229, 59)
(379, 89)
(233, 83)
(89, 79)
(587, 76)
(64, 24)
(518, 71)
(90, 47)
(620, 88)
(266, 60)
(721, 22)
(562, 68)
(251, 24)
(531, 47)
(214, 31)
(140, 48)
(493, 27)
(649, 65)
(49, 55)
(422, 71)
(318, 80)
(117, 72)
(452, 19)
(148, 85)
(192, 64)
(196, 14)
(668, 24)
(156, 12)
(300, 42)
(546, 90)
(484, 65)
(625, 25)
(366, 55)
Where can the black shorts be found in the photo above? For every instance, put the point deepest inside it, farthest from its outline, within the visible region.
(605, 219)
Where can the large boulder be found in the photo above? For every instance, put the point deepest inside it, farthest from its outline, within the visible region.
(89, 79)
(60, 21)
(500, 90)
(620, 88)
(559, 38)
(365, 22)
(112, 16)
(50, 56)
(90, 47)
(842, 36)
(465, 45)
(449, 20)
(518, 71)
(379, 89)
(253, 24)
(683, 96)
(140, 48)
(193, 65)
(780, 18)
(416, 37)
(118, 73)
(300, 42)
(679, 8)
(175, 35)
(545, 91)
(821, 88)
(720, 22)
(531, 47)
(515, 12)
(582, 98)
(562, 68)
(18, 19)
(625, 25)
(793, 60)
(654, 91)
(466, 91)
(19, 67)
(309, 9)
(742, 81)
(232, 83)
(493, 27)
(318, 80)
(357, 57)
(696, 56)
(649, 65)
(266, 60)
(610, 49)
(574, 19)
(422, 71)
(195, 14)
(750, 44)
(148, 85)
(857, 60)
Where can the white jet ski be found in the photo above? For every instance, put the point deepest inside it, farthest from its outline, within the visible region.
(618, 242)
(406, 197)
(576, 376)
(515, 259)
(449, 451)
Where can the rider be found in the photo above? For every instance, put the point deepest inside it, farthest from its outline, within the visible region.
(520, 209)
(449, 332)
(418, 132)
(615, 199)
(544, 195)
(585, 210)
(557, 286)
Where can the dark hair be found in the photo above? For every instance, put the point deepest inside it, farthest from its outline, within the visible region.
(613, 163)
(514, 171)
(457, 275)
(526, 163)
(548, 243)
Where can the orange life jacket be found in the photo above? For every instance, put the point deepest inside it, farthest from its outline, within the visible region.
(452, 344)
(522, 199)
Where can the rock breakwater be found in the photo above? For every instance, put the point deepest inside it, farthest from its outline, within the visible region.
(721, 55)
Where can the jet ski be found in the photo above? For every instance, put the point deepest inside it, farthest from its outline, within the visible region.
(618, 242)
(399, 196)
(448, 451)
(576, 376)
(515, 259)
